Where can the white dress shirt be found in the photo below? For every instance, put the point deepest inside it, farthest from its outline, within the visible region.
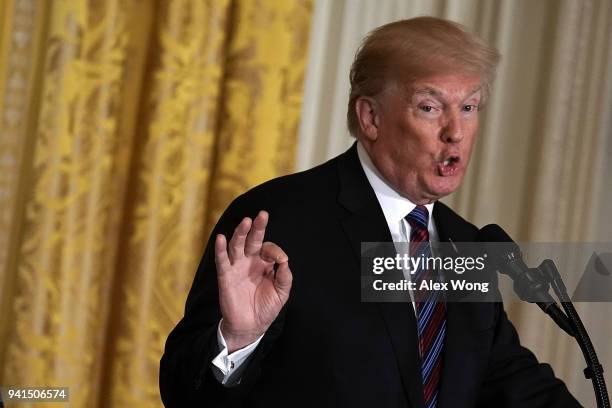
(229, 365)
(395, 208)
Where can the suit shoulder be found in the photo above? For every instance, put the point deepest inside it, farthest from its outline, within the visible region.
(316, 178)
(313, 185)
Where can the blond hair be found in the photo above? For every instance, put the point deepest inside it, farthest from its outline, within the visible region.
(406, 50)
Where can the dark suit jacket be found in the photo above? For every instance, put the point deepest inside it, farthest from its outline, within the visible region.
(329, 349)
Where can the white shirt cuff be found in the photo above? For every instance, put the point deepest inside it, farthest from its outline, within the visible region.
(229, 363)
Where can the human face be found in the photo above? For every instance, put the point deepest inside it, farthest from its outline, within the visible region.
(422, 133)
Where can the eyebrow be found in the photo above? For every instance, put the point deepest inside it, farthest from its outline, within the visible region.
(434, 92)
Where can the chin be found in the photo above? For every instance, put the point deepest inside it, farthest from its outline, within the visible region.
(442, 189)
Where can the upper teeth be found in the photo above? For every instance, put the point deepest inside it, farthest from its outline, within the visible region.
(446, 162)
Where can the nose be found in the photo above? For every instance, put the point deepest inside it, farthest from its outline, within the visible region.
(452, 131)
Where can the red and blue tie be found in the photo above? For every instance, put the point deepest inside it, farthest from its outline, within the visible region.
(431, 313)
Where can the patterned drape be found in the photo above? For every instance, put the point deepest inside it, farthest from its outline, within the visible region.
(125, 129)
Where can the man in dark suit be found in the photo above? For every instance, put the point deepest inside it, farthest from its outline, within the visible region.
(281, 322)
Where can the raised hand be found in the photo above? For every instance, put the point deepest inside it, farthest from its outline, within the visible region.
(251, 294)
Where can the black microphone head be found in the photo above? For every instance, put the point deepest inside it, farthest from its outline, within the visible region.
(493, 233)
(499, 244)
(508, 258)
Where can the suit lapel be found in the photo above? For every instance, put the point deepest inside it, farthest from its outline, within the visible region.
(364, 221)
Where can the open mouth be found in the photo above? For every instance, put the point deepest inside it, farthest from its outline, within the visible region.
(449, 166)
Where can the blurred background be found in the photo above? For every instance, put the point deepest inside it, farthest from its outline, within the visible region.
(126, 127)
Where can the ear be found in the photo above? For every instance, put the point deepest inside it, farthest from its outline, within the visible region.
(367, 112)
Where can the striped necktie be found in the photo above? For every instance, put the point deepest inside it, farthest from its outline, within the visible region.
(431, 313)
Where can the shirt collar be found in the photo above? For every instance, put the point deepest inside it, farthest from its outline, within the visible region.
(395, 207)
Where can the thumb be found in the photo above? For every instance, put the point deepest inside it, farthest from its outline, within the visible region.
(283, 280)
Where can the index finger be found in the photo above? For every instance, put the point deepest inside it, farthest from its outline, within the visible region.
(270, 252)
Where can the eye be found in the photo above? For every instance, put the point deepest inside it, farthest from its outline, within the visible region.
(470, 108)
(426, 108)
(429, 109)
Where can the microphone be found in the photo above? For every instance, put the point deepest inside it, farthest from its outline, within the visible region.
(531, 284)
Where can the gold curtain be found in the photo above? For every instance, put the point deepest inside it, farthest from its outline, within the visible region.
(125, 129)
